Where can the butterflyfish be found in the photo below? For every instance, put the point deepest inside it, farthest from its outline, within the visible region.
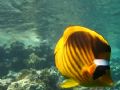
(83, 56)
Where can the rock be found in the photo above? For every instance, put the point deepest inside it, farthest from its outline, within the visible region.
(45, 79)
(4, 83)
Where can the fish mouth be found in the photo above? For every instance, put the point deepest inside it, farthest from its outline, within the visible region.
(106, 80)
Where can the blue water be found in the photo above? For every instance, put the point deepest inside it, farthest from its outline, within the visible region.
(51, 17)
(33, 22)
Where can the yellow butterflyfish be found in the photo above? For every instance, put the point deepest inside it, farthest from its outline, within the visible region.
(82, 55)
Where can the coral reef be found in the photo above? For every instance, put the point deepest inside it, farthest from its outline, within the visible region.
(45, 79)
(34, 61)
(32, 68)
(4, 83)
(17, 57)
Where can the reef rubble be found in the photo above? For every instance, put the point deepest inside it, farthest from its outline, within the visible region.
(31, 79)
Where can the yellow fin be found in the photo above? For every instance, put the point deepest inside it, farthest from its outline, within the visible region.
(92, 69)
(69, 83)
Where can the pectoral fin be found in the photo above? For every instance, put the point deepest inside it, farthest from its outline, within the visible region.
(92, 69)
(69, 83)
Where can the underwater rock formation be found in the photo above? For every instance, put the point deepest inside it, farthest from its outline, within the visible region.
(17, 57)
(35, 61)
(4, 83)
(31, 68)
(31, 79)
(45, 79)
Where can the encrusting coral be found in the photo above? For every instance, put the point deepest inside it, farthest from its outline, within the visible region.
(45, 79)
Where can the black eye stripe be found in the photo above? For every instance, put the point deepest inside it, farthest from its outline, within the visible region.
(99, 71)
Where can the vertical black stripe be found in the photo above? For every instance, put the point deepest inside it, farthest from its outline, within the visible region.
(80, 46)
(80, 58)
(64, 66)
(85, 42)
(77, 64)
(90, 38)
(77, 67)
(77, 49)
(69, 64)
(72, 64)
(77, 54)
(76, 57)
